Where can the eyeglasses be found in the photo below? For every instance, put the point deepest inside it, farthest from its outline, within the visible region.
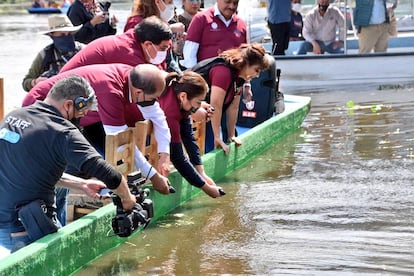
(195, 1)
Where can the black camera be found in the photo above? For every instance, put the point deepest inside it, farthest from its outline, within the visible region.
(126, 222)
(50, 73)
(105, 6)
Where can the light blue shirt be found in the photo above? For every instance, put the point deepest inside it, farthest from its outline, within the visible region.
(378, 12)
(279, 11)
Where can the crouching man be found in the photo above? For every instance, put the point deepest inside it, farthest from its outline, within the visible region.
(36, 144)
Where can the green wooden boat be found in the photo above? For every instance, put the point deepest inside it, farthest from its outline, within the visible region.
(85, 239)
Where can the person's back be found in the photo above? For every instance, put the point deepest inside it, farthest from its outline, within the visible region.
(44, 137)
(42, 126)
(116, 109)
(105, 80)
(126, 48)
(122, 48)
(213, 31)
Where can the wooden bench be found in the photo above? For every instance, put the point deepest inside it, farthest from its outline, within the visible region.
(119, 152)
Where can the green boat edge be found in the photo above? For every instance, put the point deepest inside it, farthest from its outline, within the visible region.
(86, 239)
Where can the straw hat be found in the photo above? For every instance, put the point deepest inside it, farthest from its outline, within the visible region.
(61, 23)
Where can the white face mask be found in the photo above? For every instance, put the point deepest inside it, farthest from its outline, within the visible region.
(168, 13)
(296, 7)
(159, 57)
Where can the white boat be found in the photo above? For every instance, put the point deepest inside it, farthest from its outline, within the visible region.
(305, 73)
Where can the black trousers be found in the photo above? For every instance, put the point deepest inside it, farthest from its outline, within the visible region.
(280, 37)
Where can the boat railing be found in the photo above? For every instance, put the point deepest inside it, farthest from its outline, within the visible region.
(395, 44)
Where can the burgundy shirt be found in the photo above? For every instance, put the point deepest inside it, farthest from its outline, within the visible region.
(169, 103)
(132, 21)
(123, 48)
(110, 82)
(213, 35)
(220, 75)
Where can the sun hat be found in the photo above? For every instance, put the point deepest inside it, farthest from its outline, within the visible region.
(60, 23)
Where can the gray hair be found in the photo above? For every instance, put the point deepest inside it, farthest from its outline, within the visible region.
(70, 88)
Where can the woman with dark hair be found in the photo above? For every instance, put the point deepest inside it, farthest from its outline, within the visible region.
(183, 97)
(226, 76)
(163, 9)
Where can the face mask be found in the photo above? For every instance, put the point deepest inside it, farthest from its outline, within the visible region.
(296, 7)
(323, 7)
(146, 103)
(168, 13)
(76, 122)
(159, 57)
(64, 44)
(193, 109)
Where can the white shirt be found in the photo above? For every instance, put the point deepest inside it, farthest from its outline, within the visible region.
(190, 49)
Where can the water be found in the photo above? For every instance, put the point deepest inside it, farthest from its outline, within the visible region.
(334, 198)
(20, 42)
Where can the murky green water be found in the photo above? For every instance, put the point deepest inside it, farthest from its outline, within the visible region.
(334, 198)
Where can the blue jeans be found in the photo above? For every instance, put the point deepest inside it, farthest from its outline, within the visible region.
(8, 244)
(307, 47)
(62, 194)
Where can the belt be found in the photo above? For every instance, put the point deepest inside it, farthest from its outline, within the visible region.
(18, 234)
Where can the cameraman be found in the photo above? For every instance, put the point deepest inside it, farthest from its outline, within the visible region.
(36, 144)
(51, 59)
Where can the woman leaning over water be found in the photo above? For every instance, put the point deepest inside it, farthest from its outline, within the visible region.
(183, 97)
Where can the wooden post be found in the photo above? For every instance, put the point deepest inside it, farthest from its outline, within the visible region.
(1, 99)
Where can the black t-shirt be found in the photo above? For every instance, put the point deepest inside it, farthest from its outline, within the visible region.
(36, 145)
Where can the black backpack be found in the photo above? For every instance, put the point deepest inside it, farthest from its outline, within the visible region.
(203, 68)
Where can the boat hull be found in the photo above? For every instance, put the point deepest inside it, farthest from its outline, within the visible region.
(44, 10)
(307, 73)
(85, 239)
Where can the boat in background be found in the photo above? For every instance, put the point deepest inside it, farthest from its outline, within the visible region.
(305, 73)
(46, 10)
(83, 240)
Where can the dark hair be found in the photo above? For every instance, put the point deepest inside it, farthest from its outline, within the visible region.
(246, 55)
(189, 82)
(153, 29)
(70, 88)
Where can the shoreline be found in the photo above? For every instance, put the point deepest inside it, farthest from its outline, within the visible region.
(18, 8)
